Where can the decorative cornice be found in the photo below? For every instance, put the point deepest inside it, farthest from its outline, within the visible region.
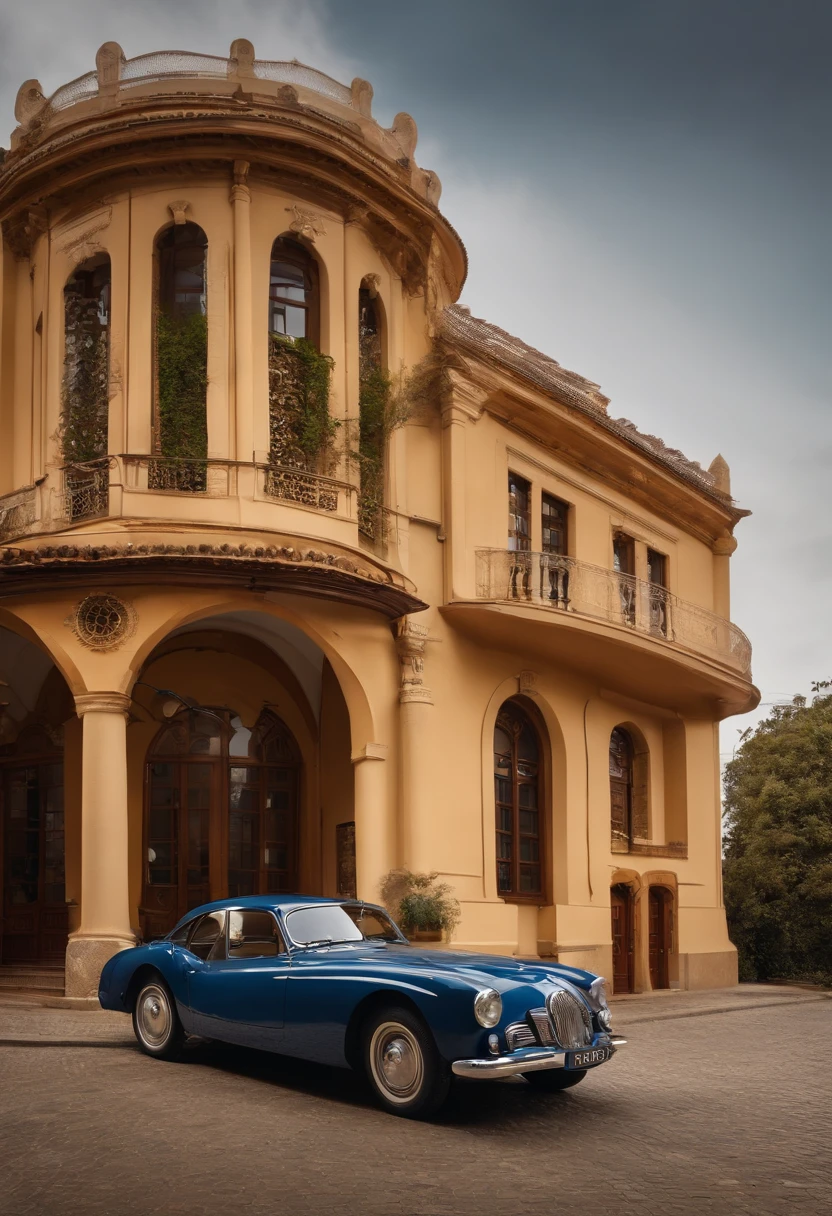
(257, 568)
(102, 703)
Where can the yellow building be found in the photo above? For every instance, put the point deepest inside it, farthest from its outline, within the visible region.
(307, 574)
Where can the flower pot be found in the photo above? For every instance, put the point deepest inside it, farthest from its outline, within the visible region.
(425, 935)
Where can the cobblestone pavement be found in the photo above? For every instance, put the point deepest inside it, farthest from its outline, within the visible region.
(724, 1112)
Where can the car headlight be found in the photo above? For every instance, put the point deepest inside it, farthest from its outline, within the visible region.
(604, 1017)
(598, 1002)
(488, 1007)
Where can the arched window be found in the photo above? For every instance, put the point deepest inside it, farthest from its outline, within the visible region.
(517, 791)
(294, 307)
(622, 755)
(180, 419)
(373, 414)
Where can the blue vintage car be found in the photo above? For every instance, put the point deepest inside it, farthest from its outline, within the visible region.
(338, 983)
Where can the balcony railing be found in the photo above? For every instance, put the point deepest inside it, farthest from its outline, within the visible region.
(86, 492)
(564, 584)
(17, 513)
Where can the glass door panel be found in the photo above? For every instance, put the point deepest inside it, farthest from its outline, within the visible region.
(244, 831)
(200, 783)
(279, 845)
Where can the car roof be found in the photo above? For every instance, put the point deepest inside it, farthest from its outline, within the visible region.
(283, 903)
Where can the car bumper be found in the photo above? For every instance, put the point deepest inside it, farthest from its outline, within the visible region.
(525, 1059)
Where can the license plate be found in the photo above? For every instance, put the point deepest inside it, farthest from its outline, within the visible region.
(587, 1059)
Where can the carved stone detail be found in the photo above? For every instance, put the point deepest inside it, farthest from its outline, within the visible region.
(527, 683)
(102, 622)
(240, 191)
(724, 546)
(29, 102)
(241, 61)
(179, 210)
(411, 639)
(306, 223)
(372, 282)
(80, 240)
(108, 63)
(362, 97)
(102, 703)
(405, 133)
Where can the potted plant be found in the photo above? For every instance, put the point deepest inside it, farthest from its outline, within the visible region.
(425, 908)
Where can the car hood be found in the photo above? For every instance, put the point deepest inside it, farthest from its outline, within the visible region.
(479, 968)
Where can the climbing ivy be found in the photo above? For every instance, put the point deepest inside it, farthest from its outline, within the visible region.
(182, 383)
(82, 433)
(301, 430)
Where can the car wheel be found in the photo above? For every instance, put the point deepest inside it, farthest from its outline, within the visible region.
(155, 1021)
(553, 1080)
(403, 1065)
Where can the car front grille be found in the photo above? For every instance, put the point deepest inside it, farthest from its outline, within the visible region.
(519, 1034)
(571, 1020)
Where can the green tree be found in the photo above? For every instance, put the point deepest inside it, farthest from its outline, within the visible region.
(778, 854)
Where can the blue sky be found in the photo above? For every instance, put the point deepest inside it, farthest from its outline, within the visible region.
(643, 187)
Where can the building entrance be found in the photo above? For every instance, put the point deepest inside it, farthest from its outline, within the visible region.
(623, 950)
(34, 927)
(660, 902)
(221, 813)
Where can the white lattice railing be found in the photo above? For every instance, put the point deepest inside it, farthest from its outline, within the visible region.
(17, 513)
(564, 584)
(86, 490)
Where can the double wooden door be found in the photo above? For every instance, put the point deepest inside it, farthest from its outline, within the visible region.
(35, 921)
(623, 948)
(215, 828)
(659, 909)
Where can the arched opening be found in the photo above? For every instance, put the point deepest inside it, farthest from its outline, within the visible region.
(519, 802)
(629, 789)
(180, 430)
(374, 422)
(39, 807)
(221, 814)
(660, 929)
(294, 292)
(622, 907)
(83, 429)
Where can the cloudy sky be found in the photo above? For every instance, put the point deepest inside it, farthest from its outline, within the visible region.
(644, 189)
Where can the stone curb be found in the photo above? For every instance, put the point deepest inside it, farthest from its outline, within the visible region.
(713, 1010)
(42, 1041)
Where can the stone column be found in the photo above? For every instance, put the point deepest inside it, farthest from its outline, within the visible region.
(417, 793)
(372, 820)
(105, 906)
(723, 547)
(243, 347)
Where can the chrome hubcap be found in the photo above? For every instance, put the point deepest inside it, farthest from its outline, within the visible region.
(154, 1018)
(396, 1061)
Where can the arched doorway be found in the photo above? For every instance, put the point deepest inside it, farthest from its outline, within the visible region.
(623, 939)
(221, 813)
(660, 904)
(35, 921)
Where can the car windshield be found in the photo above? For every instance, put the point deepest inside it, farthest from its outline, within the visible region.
(327, 923)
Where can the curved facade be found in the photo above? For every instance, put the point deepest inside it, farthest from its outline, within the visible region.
(307, 574)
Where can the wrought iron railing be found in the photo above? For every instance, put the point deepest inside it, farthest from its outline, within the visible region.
(307, 489)
(565, 584)
(17, 513)
(86, 490)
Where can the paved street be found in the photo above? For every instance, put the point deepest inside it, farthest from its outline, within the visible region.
(705, 1111)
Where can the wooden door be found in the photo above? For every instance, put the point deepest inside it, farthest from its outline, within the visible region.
(621, 903)
(35, 922)
(659, 904)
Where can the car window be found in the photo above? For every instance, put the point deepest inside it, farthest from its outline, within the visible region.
(207, 940)
(180, 935)
(325, 923)
(253, 933)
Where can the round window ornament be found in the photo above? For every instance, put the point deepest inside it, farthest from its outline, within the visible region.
(103, 622)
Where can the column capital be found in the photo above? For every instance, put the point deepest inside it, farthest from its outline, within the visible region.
(411, 639)
(370, 751)
(102, 703)
(724, 546)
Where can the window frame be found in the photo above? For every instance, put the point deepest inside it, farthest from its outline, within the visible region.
(627, 834)
(515, 535)
(293, 253)
(281, 940)
(543, 896)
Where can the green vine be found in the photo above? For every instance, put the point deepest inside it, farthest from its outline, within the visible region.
(182, 378)
(301, 430)
(82, 433)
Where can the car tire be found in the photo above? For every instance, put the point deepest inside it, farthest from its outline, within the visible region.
(156, 1022)
(554, 1080)
(403, 1064)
